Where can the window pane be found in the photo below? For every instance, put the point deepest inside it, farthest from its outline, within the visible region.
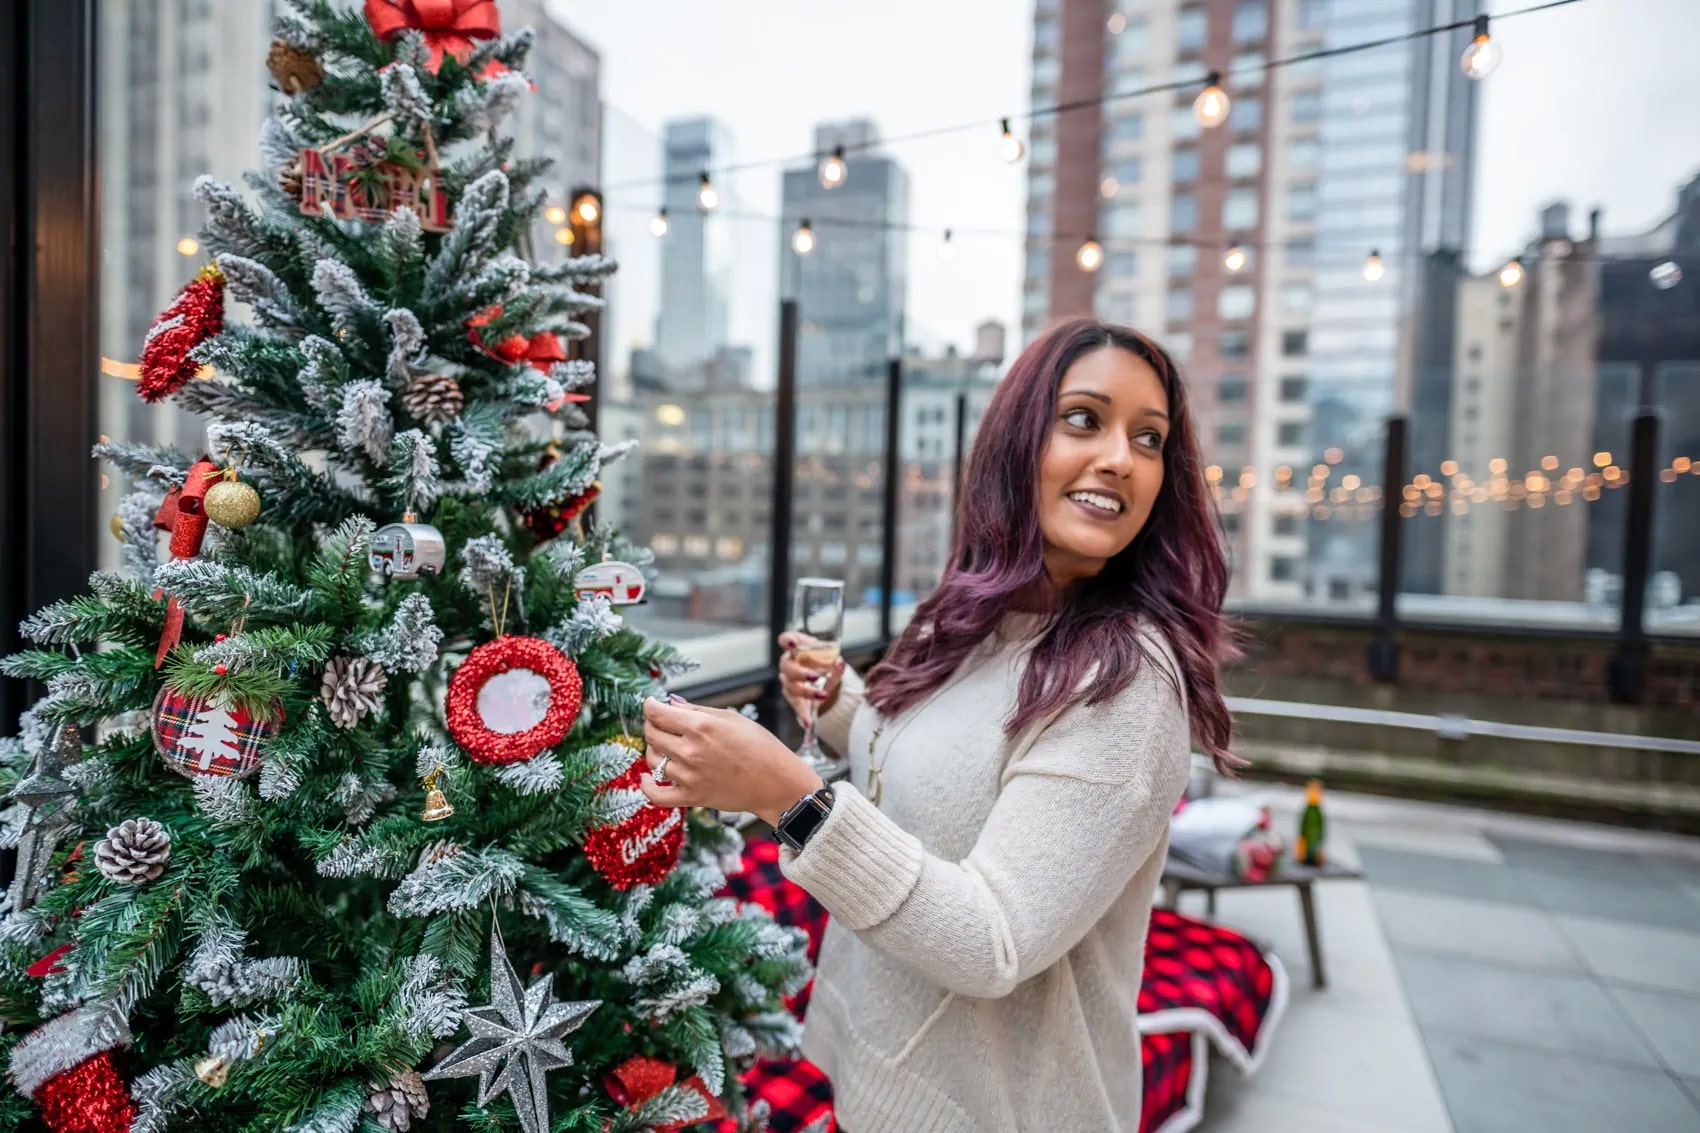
(1238, 301)
(1251, 21)
(1245, 114)
(1239, 210)
(1192, 29)
(1179, 306)
(1186, 165)
(1244, 159)
(1183, 213)
(1181, 259)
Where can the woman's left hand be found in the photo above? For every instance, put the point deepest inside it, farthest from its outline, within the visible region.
(721, 759)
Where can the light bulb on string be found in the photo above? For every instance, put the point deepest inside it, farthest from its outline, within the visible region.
(1236, 259)
(707, 197)
(1012, 148)
(833, 170)
(587, 209)
(555, 214)
(1665, 274)
(1373, 269)
(564, 236)
(1483, 54)
(803, 240)
(1512, 273)
(1212, 104)
(188, 246)
(658, 226)
(946, 248)
(1090, 257)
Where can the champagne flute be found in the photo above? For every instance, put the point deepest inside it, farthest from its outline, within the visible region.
(819, 618)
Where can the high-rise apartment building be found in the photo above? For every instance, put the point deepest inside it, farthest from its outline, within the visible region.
(562, 118)
(1293, 357)
(696, 253)
(852, 287)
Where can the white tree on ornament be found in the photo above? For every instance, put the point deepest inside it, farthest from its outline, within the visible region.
(210, 735)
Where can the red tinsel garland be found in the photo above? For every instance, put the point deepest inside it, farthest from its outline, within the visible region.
(88, 1098)
(483, 743)
(644, 848)
(196, 315)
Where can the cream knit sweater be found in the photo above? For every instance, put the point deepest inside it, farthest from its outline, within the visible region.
(983, 962)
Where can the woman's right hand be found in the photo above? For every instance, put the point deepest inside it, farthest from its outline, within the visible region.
(801, 684)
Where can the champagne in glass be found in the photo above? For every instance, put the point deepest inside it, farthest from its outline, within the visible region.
(819, 618)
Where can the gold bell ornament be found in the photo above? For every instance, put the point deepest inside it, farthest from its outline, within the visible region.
(437, 805)
(213, 1070)
(232, 502)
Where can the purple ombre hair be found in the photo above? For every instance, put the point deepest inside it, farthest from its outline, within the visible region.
(1172, 578)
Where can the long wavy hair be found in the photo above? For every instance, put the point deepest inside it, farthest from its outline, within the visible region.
(1172, 577)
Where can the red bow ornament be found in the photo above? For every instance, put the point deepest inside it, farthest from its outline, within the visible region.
(638, 1079)
(541, 351)
(450, 26)
(188, 527)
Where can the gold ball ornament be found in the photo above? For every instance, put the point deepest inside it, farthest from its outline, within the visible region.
(213, 1070)
(627, 740)
(232, 503)
(116, 526)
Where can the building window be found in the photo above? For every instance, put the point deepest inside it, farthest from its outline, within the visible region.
(1286, 525)
(1182, 258)
(1119, 219)
(1290, 434)
(1302, 154)
(1127, 171)
(1192, 29)
(1244, 159)
(1301, 203)
(1234, 344)
(1301, 254)
(1295, 297)
(1186, 165)
(1294, 343)
(1284, 568)
(1339, 589)
(1230, 433)
(1246, 114)
(1251, 21)
(1123, 264)
(1180, 305)
(1045, 34)
(1046, 69)
(1128, 128)
(1183, 124)
(1038, 262)
(1230, 524)
(1239, 210)
(1038, 222)
(1247, 67)
(1313, 13)
(1292, 389)
(1183, 212)
(1307, 106)
(1231, 391)
(1238, 301)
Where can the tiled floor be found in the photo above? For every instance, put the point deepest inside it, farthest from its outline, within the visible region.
(1495, 975)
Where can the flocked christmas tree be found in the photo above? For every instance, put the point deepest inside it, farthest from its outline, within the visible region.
(327, 820)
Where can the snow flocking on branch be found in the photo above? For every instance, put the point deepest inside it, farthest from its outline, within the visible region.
(487, 568)
(406, 99)
(409, 644)
(413, 472)
(341, 296)
(363, 423)
(535, 776)
(407, 343)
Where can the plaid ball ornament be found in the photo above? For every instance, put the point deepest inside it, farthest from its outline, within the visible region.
(198, 735)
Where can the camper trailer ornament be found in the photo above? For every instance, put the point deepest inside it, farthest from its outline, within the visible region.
(621, 583)
(408, 549)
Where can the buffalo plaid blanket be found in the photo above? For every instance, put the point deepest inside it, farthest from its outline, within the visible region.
(1204, 985)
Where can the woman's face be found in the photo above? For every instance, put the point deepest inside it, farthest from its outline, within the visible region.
(1102, 467)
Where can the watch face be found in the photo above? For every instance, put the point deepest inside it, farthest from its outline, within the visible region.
(803, 822)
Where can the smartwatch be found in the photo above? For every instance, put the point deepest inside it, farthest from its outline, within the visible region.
(798, 825)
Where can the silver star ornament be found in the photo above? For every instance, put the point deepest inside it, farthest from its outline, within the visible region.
(516, 1040)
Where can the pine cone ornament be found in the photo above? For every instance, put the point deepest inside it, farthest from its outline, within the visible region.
(294, 69)
(398, 1102)
(134, 851)
(351, 689)
(433, 398)
(440, 850)
(290, 179)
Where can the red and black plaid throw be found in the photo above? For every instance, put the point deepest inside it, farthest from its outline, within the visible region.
(1203, 984)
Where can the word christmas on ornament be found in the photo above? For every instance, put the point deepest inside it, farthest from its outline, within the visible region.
(634, 848)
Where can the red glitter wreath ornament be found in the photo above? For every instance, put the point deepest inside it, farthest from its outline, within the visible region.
(196, 315)
(644, 848)
(638, 1079)
(480, 705)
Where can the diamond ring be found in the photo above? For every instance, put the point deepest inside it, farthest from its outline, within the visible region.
(660, 773)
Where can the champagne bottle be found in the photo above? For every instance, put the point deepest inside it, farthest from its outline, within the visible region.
(1312, 829)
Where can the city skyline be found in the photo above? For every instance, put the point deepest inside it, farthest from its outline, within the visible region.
(944, 70)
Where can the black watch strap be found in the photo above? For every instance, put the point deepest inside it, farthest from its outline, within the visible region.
(807, 815)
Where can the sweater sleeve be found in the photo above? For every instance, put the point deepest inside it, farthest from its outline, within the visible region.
(833, 725)
(1077, 815)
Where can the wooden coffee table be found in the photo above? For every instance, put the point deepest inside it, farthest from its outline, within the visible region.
(1179, 877)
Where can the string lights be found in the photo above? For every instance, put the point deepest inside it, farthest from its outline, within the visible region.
(1373, 269)
(833, 170)
(1090, 257)
(803, 240)
(555, 214)
(1212, 104)
(1011, 149)
(658, 226)
(1236, 259)
(1665, 274)
(946, 248)
(1512, 273)
(707, 197)
(1483, 55)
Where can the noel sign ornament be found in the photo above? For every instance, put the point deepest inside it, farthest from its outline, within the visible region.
(199, 735)
(644, 848)
(513, 698)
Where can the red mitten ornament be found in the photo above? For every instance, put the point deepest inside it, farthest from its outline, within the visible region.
(644, 848)
(188, 528)
(196, 315)
(66, 1067)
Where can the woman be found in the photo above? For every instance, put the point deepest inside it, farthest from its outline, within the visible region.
(991, 861)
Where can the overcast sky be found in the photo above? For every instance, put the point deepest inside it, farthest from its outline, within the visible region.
(1597, 102)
